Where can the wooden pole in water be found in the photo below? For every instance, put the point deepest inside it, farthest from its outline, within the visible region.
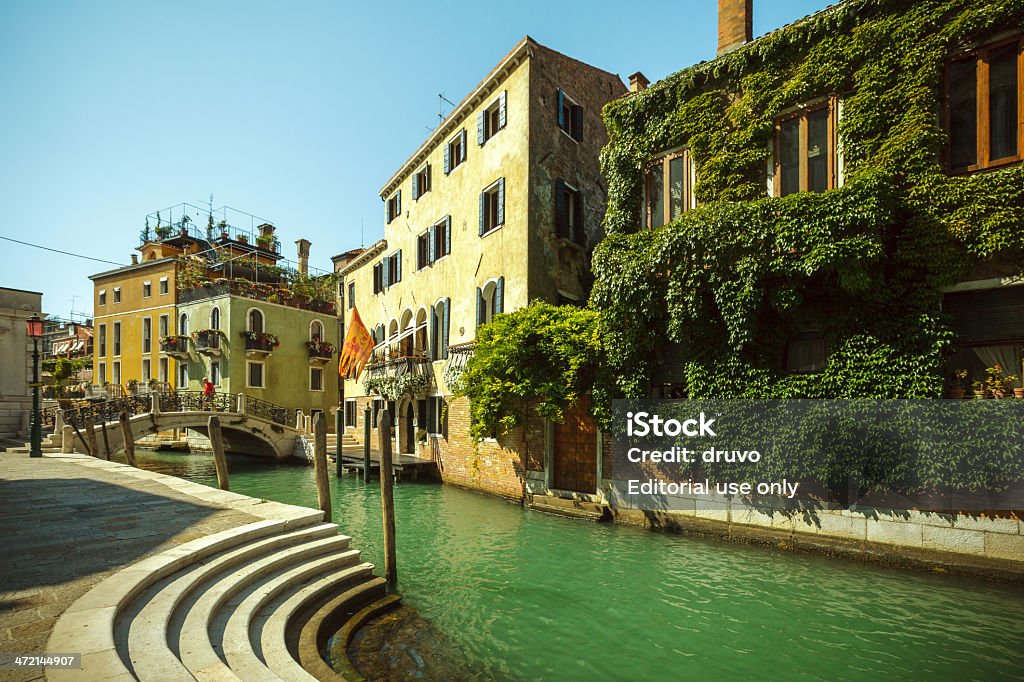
(106, 442)
(366, 444)
(339, 429)
(213, 427)
(90, 436)
(323, 485)
(129, 439)
(387, 496)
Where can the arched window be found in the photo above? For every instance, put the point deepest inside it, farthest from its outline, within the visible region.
(316, 331)
(254, 321)
(183, 324)
(215, 318)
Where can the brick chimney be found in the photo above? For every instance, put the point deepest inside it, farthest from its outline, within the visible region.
(302, 245)
(638, 82)
(135, 259)
(735, 24)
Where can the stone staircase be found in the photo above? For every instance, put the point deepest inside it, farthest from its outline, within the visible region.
(230, 606)
(50, 443)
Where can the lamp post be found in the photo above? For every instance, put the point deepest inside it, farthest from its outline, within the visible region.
(35, 332)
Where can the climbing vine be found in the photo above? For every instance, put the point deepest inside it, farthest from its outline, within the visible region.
(712, 297)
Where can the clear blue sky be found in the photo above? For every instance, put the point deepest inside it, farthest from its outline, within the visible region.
(297, 112)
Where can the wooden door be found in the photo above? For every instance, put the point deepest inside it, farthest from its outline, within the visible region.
(575, 450)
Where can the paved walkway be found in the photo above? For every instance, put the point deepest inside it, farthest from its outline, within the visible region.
(69, 521)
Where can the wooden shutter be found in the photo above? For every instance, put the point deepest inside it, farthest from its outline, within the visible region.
(501, 109)
(462, 146)
(431, 251)
(480, 131)
(398, 203)
(501, 201)
(430, 416)
(561, 210)
(398, 266)
(560, 102)
(577, 122)
(447, 159)
(499, 296)
(479, 307)
(426, 178)
(376, 279)
(483, 210)
(387, 212)
(385, 274)
(415, 186)
(433, 334)
(448, 235)
(445, 320)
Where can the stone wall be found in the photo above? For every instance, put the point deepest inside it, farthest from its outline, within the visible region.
(16, 307)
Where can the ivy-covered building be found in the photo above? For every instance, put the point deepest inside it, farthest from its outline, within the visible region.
(835, 209)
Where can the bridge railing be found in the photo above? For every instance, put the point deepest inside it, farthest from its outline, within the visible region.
(196, 401)
(108, 410)
(270, 411)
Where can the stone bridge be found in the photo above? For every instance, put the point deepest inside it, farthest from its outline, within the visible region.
(248, 425)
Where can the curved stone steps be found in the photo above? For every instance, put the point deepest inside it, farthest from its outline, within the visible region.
(280, 652)
(144, 629)
(242, 631)
(339, 644)
(199, 635)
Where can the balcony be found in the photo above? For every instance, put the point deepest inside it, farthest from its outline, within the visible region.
(175, 346)
(320, 352)
(399, 365)
(208, 342)
(259, 343)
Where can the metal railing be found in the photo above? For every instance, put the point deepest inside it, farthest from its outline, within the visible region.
(270, 411)
(174, 344)
(197, 401)
(108, 410)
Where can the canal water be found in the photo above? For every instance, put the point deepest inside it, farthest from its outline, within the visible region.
(512, 594)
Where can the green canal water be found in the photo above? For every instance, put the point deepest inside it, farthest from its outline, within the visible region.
(518, 595)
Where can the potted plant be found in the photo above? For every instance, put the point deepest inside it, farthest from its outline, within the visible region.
(980, 390)
(133, 386)
(243, 239)
(998, 382)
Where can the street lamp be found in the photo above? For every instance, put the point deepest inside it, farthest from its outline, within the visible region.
(35, 332)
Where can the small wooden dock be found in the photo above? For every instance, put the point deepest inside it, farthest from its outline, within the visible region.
(352, 460)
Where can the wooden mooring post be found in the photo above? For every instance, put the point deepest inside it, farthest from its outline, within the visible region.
(217, 442)
(323, 485)
(387, 496)
(129, 439)
(366, 444)
(90, 436)
(339, 429)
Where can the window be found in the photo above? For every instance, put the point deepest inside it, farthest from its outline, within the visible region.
(421, 182)
(117, 339)
(316, 378)
(350, 413)
(102, 299)
(490, 301)
(215, 318)
(570, 117)
(807, 352)
(117, 294)
(147, 334)
(254, 321)
(805, 150)
(183, 324)
(491, 120)
(163, 325)
(983, 107)
(437, 416)
(434, 244)
(117, 373)
(387, 272)
(164, 288)
(163, 370)
(215, 373)
(146, 370)
(351, 295)
(668, 189)
(103, 373)
(569, 212)
(492, 207)
(316, 330)
(103, 342)
(183, 375)
(393, 207)
(147, 289)
(440, 319)
(455, 152)
(254, 375)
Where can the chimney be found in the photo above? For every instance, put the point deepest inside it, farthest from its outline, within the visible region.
(735, 24)
(135, 259)
(638, 82)
(303, 248)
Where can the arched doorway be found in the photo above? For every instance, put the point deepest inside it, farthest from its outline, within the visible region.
(408, 430)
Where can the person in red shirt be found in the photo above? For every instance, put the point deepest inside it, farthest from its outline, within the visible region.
(208, 391)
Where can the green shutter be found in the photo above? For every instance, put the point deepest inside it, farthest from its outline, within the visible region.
(447, 159)
(499, 296)
(479, 307)
(415, 186)
(398, 203)
(480, 131)
(434, 355)
(385, 274)
(561, 115)
(501, 109)
(398, 266)
(448, 235)
(501, 201)
(483, 209)
(462, 147)
(431, 251)
(445, 320)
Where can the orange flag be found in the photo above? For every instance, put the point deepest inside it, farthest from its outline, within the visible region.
(357, 349)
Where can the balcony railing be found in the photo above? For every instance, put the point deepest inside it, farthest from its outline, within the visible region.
(416, 363)
(174, 345)
(208, 341)
(259, 344)
(320, 353)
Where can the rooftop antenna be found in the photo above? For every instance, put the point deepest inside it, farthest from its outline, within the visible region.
(440, 105)
(362, 242)
(74, 299)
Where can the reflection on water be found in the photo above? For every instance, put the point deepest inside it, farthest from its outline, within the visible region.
(528, 596)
